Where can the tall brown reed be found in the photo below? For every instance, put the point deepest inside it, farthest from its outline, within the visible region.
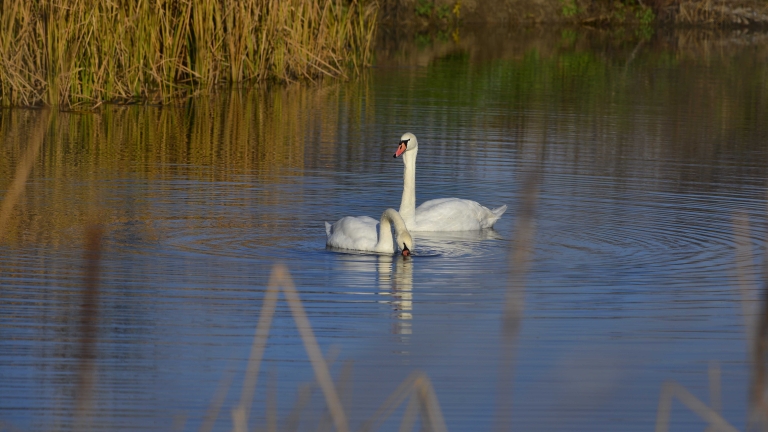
(74, 53)
(417, 387)
(89, 311)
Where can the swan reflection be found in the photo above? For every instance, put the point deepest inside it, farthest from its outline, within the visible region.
(402, 291)
(399, 285)
(455, 243)
(394, 275)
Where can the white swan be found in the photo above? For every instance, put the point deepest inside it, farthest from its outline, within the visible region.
(365, 233)
(443, 214)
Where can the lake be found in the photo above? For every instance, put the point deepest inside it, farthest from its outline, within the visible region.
(135, 263)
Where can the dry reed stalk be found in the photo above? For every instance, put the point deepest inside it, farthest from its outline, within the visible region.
(418, 386)
(16, 189)
(715, 388)
(671, 389)
(747, 288)
(306, 391)
(216, 403)
(313, 350)
(395, 399)
(757, 339)
(240, 414)
(765, 248)
(759, 408)
(179, 422)
(270, 413)
(292, 421)
(430, 408)
(524, 233)
(89, 309)
(522, 249)
(344, 383)
(280, 280)
(409, 415)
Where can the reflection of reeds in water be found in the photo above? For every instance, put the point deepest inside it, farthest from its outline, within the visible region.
(257, 133)
(23, 169)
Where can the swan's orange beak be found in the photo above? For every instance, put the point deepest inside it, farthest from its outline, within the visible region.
(401, 148)
(406, 251)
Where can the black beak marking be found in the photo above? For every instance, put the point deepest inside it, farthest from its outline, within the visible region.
(405, 143)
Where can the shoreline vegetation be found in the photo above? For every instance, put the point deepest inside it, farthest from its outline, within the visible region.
(590, 13)
(78, 54)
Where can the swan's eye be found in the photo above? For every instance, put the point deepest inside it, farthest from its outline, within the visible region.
(405, 142)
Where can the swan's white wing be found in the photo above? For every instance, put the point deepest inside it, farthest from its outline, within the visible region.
(353, 232)
(455, 214)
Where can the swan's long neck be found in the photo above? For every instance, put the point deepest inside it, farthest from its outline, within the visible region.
(408, 203)
(386, 243)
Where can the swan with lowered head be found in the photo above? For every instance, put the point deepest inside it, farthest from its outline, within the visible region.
(365, 233)
(442, 214)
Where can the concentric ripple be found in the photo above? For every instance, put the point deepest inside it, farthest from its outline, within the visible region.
(634, 230)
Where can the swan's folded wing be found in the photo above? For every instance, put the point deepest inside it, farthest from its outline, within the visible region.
(455, 214)
(357, 233)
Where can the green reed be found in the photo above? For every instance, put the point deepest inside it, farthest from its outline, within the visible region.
(81, 53)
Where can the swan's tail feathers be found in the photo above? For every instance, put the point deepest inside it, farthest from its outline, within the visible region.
(499, 211)
(328, 229)
(494, 216)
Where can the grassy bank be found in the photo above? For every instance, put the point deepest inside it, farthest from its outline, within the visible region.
(81, 53)
(423, 14)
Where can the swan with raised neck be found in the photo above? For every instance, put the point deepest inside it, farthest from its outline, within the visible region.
(408, 148)
(442, 214)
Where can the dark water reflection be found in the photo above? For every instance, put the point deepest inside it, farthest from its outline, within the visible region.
(646, 150)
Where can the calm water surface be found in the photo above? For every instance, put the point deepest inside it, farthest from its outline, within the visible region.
(646, 151)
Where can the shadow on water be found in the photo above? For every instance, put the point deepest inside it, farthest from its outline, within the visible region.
(623, 161)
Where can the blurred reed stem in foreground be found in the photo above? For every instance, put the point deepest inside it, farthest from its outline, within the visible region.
(81, 53)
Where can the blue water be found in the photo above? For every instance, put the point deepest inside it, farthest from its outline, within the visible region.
(632, 280)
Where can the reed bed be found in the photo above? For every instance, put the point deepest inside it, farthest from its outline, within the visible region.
(81, 53)
(719, 13)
